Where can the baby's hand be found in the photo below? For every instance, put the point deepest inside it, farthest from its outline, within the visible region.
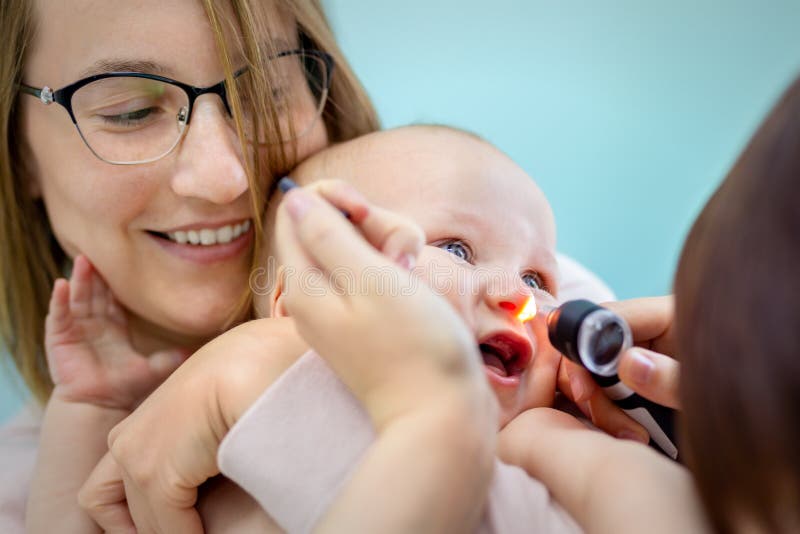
(88, 346)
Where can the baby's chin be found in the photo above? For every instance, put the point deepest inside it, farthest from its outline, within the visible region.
(508, 397)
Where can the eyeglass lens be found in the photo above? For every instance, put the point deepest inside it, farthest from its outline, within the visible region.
(131, 119)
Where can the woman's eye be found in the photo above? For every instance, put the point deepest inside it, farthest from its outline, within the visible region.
(457, 248)
(131, 118)
(534, 281)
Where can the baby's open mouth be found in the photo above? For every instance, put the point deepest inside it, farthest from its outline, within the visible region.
(505, 354)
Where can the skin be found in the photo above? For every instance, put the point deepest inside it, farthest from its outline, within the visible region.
(437, 178)
(104, 211)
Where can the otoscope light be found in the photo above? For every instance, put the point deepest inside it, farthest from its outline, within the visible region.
(528, 311)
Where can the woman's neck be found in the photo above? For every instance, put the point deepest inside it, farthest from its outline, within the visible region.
(148, 338)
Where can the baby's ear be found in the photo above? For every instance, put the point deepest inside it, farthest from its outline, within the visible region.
(277, 308)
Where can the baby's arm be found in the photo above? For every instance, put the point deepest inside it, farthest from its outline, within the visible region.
(173, 436)
(98, 378)
(606, 484)
(405, 355)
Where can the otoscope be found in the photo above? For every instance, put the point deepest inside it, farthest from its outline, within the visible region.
(595, 338)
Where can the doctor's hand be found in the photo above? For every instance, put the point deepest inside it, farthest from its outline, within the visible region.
(647, 368)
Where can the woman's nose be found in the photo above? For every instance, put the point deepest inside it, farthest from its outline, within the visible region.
(210, 164)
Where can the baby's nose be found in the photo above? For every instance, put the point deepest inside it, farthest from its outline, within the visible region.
(511, 299)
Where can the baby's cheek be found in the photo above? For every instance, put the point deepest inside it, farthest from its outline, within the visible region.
(447, 279)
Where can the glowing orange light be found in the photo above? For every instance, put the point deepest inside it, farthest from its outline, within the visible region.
(528, 311)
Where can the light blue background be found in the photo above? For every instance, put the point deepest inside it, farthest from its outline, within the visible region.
(627, 113)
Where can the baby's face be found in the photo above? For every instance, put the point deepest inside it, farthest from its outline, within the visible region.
(491, 243)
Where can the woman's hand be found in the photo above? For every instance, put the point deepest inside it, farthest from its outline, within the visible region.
(167, 447)
(645, 368)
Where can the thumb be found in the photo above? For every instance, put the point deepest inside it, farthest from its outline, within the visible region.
(652, 375)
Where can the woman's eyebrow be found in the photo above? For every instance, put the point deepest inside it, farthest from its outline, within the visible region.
(104, 66)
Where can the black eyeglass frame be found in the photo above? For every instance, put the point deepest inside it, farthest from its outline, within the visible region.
(64, 95)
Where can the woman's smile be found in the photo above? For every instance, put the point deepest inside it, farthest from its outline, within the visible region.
(205, 243)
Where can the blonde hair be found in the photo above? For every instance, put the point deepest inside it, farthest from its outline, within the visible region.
(30, 257)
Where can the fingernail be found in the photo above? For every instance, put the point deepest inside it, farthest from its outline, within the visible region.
(633, 436)
(407, 261)
(578, 391)
(297, 204)
(643, 368)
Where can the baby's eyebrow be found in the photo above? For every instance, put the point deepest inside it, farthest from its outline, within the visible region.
(104, 66)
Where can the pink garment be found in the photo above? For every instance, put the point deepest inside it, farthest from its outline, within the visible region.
(19, 441)
(301, 440)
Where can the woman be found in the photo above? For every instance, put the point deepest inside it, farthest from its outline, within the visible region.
(68, 185)
(61, 196)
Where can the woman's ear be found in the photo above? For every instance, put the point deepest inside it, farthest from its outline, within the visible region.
(277, 309)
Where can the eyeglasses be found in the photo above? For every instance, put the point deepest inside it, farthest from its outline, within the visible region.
(126, 118)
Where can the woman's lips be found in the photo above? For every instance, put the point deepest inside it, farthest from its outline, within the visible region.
(205, 254)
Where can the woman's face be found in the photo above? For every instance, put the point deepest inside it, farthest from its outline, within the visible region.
(118, 215)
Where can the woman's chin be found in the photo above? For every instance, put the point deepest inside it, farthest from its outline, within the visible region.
(186, 322)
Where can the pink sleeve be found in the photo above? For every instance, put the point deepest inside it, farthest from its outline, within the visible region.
(19, 441)
(296, 446)
(299, 443)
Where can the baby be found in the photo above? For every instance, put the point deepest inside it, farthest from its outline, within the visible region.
(490, 242)
(490, 246)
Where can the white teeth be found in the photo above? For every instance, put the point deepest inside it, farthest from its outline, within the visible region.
(225, 234)
(180, 237)
(207, 236)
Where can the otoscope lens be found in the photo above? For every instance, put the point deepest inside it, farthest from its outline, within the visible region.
(607, 344)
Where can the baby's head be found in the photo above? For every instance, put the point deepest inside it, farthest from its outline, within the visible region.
(490, 235)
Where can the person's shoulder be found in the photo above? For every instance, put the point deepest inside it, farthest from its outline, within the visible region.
(19, 441)
(23, 427)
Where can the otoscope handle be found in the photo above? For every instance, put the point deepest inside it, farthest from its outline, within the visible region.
(658, 420)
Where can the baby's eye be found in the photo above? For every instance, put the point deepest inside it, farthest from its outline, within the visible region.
(457, 248)
(534, 281)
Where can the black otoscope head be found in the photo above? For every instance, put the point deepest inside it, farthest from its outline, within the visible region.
(589, 335)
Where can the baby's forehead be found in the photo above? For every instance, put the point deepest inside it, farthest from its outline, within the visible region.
(425, 172)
